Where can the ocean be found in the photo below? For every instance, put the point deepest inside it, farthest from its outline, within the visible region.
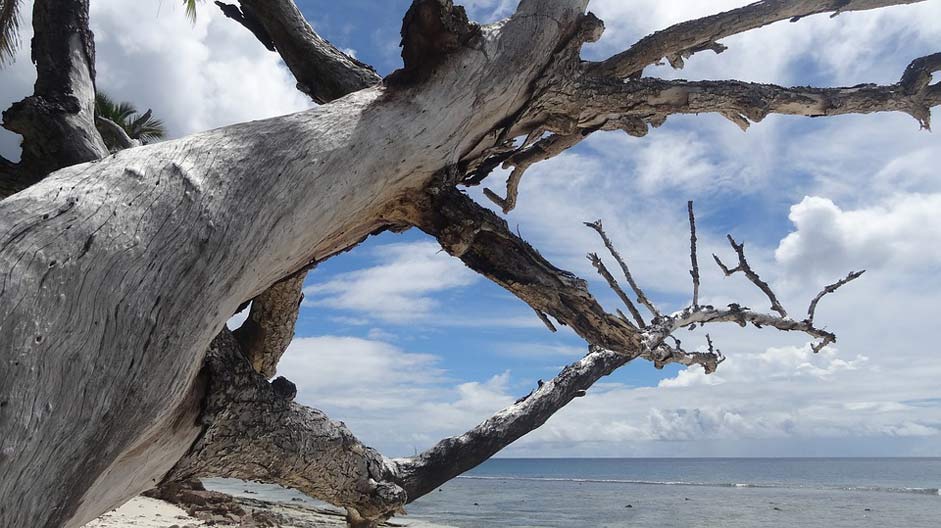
(688, 493)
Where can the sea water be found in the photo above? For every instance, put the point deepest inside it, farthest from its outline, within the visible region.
(687, 493)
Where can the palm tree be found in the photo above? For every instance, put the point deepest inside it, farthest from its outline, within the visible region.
(141, 127)
(10, 24)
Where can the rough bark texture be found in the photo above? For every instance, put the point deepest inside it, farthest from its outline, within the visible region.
(684, 39)
(652, 100)
(484, 242)
(290, 444)
(119, 273)
(116, 276)
(57, 121)
(268, 331)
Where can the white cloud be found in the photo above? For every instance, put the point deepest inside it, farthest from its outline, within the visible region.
(397, 289)
(352, 373)
(899, 235)
(193, 76)
(393, 399)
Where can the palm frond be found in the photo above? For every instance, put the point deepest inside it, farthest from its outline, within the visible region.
(117, 112)
(9, 30)
(190, 9)
(147, 128)
(144, 127)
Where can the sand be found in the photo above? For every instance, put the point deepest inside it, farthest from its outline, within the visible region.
(142, 512)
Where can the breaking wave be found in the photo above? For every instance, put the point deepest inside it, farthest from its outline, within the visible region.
(878, 489)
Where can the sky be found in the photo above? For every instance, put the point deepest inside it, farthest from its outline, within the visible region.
(407, 346)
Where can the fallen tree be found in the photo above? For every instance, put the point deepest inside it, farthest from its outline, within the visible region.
(119, 271)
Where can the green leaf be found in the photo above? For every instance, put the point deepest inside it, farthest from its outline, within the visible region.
(9, 30)
(190, 9)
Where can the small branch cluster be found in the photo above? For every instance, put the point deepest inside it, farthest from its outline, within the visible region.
(663, 327)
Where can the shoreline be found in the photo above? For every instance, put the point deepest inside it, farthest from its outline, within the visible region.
(193, 506)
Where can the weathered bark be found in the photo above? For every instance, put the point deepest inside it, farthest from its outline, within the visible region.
(652, 100)
(266, 334)
(117, 135)
(119, 273)
(322, 71)
(57, 121)
(453, 456)
(684, 39)
(484, 243)
(249, 21)
(255, 432)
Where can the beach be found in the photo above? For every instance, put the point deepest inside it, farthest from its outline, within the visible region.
(226, 510)
(611, 493)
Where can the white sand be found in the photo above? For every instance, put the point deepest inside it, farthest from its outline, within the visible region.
(142, 512)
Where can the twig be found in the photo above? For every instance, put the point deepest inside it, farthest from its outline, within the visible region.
(694, 272)
(545, 319)
(527, 156)
(641, 297)
(613, 283)
(830, 289)
(745, 268)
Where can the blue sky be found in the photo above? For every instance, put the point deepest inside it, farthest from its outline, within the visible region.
(405, 345)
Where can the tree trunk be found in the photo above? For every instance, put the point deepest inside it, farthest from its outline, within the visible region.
(118, 273)
(116, 276)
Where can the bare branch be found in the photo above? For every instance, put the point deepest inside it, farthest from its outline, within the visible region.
(122, 140)
(524, 158)
(641, 297)
(653, 100)
(255, 431)
(684, 39)
(745, 268)
(545, 320)
(830, 289)
(247, 19)
(712, 349)
(453, 456)
(734, 313)
(322, 71)
(613, 283)
(694, 270)
(484, 242)
(917, 76)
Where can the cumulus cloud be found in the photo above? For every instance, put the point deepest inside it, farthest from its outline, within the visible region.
(396, 400)
(351, 373)
(193, 76)
(399, 288)
(900, 234)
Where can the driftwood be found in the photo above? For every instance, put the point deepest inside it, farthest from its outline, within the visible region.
(117, 273)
